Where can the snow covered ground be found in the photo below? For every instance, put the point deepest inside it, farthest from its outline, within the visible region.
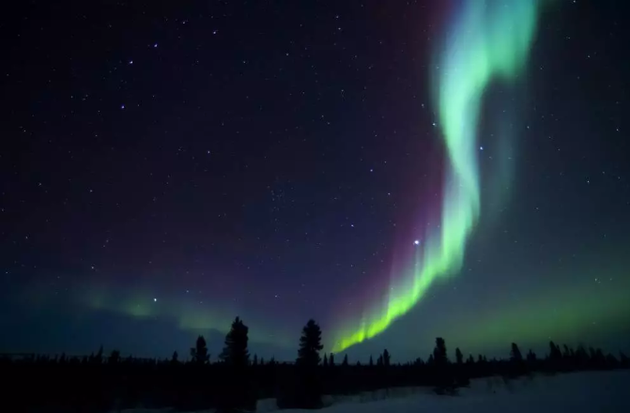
(592, 392)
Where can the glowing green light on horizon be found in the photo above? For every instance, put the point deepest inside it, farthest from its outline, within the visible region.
(489, 39)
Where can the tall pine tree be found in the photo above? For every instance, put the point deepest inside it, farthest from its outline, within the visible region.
(386, 358)
(344, 362)
(305, 388)
(444, 380)
(235, 351)
(439, 352)
(199, 353)
(515, 354)
(235, 392)
(459, 357)
(310, 345)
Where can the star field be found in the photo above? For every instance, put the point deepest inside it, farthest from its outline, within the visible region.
(167, 167)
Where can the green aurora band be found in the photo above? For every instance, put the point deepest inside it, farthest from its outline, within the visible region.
(488, 40)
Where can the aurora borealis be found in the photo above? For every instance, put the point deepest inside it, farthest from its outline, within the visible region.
(487, 39)
(396, 171)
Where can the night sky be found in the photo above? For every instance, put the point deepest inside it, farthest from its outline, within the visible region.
(396, 170)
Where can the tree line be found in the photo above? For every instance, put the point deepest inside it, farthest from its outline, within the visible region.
(100, 383)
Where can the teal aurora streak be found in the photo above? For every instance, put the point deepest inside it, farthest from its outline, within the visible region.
(487, 40)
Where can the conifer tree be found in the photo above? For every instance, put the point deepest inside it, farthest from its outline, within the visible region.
(515, 354)
(199, 353)
(310, 345)
(439, 353)
(235, 351)
(305, 389)
(531, 356)
(443, 377)
(459, 357)
(386, 358)
(235, 392)
(554, 351)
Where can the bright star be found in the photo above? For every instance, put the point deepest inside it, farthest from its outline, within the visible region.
(417, 242)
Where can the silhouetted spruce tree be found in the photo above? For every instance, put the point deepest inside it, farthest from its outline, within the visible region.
(554, 351)
(459, 357)
(516, 366)
(310, 345)
(531, 357)
(371, 361)
(460, 372)
(554, 359)
(199, 353)
(325, 362)
(439, 352)
(98, 358)
(236, 392)
(379, 360)
(331, 360)
(444, 380)
(304, 391)
(175, 358)
(345, 360)
(515, 354)
(581, 357)
(566, 352)
(386, 358)
(235, 351)
(255, 361)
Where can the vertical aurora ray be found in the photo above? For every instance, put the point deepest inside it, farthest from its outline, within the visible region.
(487, 40)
